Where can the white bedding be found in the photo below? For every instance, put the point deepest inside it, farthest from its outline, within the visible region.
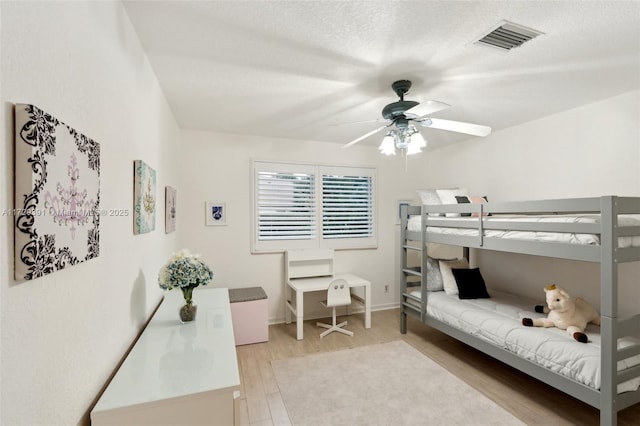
(498, 320)
(414, 224)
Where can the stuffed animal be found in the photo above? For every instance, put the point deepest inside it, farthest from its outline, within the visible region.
(565, 313)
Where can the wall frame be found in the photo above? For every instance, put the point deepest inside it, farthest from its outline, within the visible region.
(170, 195)
(399, 204)
(144, 198)
(215, 213)
(57, 194)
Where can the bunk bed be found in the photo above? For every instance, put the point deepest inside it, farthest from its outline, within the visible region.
(604, 230)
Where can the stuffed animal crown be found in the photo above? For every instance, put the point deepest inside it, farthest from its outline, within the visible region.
(550, 287)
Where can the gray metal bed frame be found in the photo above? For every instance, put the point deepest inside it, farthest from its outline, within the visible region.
(608, 254)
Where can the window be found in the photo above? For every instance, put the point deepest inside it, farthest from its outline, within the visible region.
(312, 206)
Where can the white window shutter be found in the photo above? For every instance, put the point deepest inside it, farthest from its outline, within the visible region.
(286, 206)
(298, 206)
(347, 206)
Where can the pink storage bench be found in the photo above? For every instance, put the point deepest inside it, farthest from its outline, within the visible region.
(249, 313)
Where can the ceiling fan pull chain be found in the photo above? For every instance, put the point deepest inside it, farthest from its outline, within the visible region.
(406, 161)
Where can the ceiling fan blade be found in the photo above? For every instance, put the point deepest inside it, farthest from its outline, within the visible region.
(378, 120)
(460, 127)
(426, 108)
(373, 132)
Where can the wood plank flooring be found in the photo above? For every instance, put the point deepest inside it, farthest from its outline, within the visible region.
(532, 401)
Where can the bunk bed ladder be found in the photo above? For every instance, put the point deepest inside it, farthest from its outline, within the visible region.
(409, 303)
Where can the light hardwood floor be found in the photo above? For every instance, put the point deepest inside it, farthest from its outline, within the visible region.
(532, 401)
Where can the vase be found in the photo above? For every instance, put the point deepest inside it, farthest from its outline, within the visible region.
(188, 312)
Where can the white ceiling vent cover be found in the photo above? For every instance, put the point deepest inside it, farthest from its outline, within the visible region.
(508, 35)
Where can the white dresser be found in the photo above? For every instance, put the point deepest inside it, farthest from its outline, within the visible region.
(177, 374)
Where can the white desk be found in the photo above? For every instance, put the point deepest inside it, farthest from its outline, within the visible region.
(177, 373)
(303, 285)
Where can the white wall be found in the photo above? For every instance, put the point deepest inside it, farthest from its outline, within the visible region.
(63, 334)
(218, 168)
(589, 151)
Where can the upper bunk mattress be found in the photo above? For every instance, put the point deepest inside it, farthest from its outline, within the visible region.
(498, 320)
(414, 224)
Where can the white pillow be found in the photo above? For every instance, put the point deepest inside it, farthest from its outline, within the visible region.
(448, 280)
(448, 196)
(430, 197)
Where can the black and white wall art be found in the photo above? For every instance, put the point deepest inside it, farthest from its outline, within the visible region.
(57, 194)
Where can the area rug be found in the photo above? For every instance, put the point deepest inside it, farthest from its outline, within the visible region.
(383, 384)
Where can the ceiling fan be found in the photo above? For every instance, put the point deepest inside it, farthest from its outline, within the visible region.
(403, 116)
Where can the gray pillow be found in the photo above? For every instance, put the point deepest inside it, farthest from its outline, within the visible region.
(434, 277)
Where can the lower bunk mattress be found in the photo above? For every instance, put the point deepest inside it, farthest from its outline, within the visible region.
(498, 320)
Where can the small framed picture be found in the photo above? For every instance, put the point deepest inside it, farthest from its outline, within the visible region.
(144, 198)
(399, 204)
(215, 213)
(169, 209)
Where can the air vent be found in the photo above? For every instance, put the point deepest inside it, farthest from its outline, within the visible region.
(508, 36)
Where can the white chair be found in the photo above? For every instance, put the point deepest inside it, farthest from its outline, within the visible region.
(338, 294)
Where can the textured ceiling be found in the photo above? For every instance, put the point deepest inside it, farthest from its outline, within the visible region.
(295, 69)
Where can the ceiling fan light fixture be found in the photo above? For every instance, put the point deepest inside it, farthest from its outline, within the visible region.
(387, 147)
(407, 139)
(418, 140)
(414, 148)
(416, 144)
(402, 138)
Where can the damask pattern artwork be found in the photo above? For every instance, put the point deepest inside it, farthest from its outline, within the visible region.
(57, 194)
(144, 198)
